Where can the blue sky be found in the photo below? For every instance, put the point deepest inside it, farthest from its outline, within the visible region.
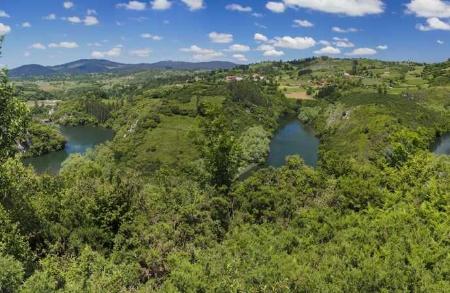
(52, 32)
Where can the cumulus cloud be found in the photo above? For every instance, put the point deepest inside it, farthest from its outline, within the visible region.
(382, 47)
(260, 37)
(88, 20)
(151, 37)
(114, 52)
(342, 42)
(347, 7)
(51, 16)
(239, 48)
(276, 7)
(328, 50)
(265, 47)
(238, 7)
(220, 38)
(201, 53)
(68, 5)
(161, 4)
(298, 43)
(240, 57)
(132, 5)
(362, 52)
(440, 42)
(194, 4)
(26, 24)
(38, 46)
(4, 29)
(325, 43)
(434, 23)
(4, 14)
(302, 23)
(273, 53)
(340, 30)
(64, 45)
(74, 19)
(141, 53)
(429, 8)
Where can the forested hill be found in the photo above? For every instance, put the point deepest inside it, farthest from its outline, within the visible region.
(85, 66)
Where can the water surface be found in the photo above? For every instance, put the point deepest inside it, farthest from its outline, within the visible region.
(293, 138)
(79, 140)
(442, 146)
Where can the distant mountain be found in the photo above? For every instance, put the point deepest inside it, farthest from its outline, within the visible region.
(86, 66)
(31, 70)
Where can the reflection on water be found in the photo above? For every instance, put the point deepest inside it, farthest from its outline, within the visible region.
(293, 138)
(442, 146)
(79, 140)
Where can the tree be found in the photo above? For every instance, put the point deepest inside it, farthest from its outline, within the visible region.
(13, 117)
(218, 149)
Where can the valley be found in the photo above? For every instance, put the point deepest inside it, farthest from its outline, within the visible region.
(202, 180)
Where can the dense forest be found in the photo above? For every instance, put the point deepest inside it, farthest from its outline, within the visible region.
(162, 206)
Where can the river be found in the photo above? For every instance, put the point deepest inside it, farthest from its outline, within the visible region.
(442, 145)
(79, 140)
(293, 138)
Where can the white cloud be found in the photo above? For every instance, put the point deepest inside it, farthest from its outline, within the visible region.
(151, 37)
(51, 16)
(240, 57)
(276, 7)
(220, 38)
(142, 53)
(265, 47)
(342, 42)
(132, 5)
(114, 52)
(201, 53)
(347, 7)
(38, 46)
(329, 50)
(382, 47)
(260, 37)
(194, 4)
(302, 23)
(27, 54)
(429, 8)
(4, 29)
(273, 53)
(161, 4)
(298, 43)
(337, 29)
(4, 14)
(74, 19)
(90, 20)
(325, 43)
(239, 48)
(91, 12)
(64, 45)
(434, 23)
(362, 52)
(26, 24)
(440, 42)
(68, 5)
(238, 7)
